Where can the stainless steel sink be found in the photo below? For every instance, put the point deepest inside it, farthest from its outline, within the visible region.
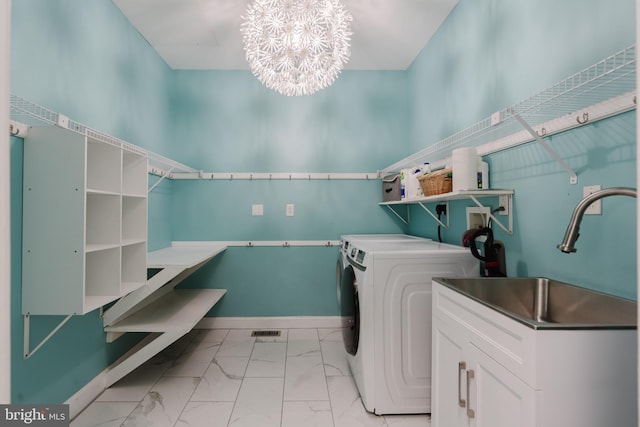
(542, 303)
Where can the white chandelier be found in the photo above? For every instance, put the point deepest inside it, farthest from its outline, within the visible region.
(296, 47)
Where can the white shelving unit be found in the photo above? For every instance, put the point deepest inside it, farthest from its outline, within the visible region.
(506, 197)
(84, 222)
(166, 313)
(601, 90)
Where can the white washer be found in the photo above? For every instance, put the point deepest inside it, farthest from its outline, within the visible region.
(386, 310)
(347, 240)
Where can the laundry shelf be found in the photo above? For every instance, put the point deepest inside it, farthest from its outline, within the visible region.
(506, 202)
(455, 195)
(185, 256)
(157, 308)
(177, 311)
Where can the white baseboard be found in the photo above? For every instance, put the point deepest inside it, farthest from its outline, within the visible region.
(87, 394)
(288, 322)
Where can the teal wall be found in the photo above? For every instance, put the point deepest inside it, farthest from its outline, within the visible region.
(228, 122)
(507, 51)
(85, 60)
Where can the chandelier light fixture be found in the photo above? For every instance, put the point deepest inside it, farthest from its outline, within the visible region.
(296, 47)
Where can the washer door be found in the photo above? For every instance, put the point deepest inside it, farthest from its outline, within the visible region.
(349, 310)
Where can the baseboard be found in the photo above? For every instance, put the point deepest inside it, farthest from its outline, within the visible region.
(87, 394)
(287, 322)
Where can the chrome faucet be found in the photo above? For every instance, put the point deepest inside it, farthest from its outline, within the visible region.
(572, 233)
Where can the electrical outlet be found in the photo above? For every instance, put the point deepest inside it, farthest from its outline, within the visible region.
(290, 210)
(257, 210)
(596, 207)
(503, 202)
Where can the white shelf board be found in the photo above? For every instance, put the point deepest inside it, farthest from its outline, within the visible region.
(455, 195)
(95, 247)
(178, 310)
(182, 256)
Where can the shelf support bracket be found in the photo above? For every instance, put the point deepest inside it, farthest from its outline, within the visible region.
(493, 218)
(573, 178)
(161, 179)
(27, 325)
(406, 221)
(435, 217)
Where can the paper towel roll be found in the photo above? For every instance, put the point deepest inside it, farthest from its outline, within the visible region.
(465, 169)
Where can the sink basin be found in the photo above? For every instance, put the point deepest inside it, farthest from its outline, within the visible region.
(542, 303)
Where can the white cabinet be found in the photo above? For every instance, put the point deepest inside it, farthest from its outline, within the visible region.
(491, 371)
(84, 222)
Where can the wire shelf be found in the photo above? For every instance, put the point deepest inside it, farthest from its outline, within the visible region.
(592, 87)
(31, 114)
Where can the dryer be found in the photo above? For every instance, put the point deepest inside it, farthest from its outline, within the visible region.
(386, 307)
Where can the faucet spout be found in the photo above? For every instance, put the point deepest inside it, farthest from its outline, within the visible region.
(572, 233)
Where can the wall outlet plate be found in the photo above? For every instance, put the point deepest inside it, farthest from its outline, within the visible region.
(594, 208)
(257, 210)
(477, 217)
(503, 201)
(289, 210)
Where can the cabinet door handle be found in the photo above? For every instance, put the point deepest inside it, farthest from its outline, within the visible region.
(461, 367)
(470, 412)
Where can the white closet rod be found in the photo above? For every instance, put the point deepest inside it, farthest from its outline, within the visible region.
(227, 176)
(605, 109)
(261, 243)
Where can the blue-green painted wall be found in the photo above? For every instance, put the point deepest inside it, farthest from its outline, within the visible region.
(508, 51)
(85, 60)
(230, 123)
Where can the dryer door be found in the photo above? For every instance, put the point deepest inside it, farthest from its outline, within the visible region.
(349, 310)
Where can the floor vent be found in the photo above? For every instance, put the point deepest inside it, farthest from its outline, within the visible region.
(265, 333)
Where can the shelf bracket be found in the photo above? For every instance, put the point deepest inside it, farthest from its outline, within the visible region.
(27, 326)
(406, 221)
(435, 217)
(508, 230)
(165, 175)
(573, 178)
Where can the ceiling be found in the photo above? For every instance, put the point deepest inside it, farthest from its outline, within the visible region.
(205, 34)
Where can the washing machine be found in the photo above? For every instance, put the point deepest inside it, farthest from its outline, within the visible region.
(386, 309)
(344, 277)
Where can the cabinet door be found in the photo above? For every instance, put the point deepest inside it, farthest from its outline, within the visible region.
(497, 397)
(448, 397)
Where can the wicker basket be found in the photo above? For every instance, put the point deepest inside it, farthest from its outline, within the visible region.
(438, 182)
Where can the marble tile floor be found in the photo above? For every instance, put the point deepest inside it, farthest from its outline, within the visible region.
(226, 378)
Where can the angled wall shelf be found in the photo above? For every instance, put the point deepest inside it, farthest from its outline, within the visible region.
(602, 90)
(506, 197)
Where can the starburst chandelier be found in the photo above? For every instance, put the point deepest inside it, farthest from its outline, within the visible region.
(296, 47)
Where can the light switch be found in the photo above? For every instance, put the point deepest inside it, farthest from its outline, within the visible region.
(290, 210)
(257, 210)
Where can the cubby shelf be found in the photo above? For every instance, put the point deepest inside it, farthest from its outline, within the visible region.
(84, 222)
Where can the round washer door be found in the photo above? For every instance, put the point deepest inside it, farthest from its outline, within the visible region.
(349, 310)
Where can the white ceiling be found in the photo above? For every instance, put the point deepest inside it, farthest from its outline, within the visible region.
(205, 34)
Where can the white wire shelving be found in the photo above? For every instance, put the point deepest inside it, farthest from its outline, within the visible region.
(602, 90)
(28, 113)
